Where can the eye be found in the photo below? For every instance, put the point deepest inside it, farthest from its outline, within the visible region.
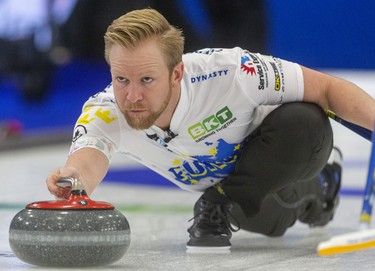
(121, 79)
(147, 79)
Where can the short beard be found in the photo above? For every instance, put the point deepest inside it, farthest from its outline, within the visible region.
(140, 123)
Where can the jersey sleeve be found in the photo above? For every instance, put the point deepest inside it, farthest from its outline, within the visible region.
(267, 80)
(98, 125)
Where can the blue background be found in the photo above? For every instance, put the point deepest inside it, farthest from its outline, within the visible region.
(321, 34)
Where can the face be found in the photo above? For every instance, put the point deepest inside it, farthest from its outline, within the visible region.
(145, 91)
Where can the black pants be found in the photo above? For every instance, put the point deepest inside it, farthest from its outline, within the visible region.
(275, 181)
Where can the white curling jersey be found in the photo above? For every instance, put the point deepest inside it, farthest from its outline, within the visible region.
(225, 94)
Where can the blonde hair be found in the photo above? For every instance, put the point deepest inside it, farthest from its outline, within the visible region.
(136, 26)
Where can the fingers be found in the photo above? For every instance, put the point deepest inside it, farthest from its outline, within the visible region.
(53, 177)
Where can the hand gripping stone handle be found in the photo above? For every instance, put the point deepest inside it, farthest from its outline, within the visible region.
(74, 183)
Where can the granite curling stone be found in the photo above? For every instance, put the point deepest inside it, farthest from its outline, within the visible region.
(77, 232)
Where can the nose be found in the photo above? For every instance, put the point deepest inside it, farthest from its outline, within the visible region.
(134, 93)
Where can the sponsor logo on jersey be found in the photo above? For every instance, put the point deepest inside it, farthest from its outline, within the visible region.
(247, 65)
(208, 76)
(277, 76)
(213, 167)
(279, 67)
(262, 70)
(212, 124)
(209, 51)
(79, 131)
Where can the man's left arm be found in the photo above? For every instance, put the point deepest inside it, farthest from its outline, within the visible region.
(340, 96)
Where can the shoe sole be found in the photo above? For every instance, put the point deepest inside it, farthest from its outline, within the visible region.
(208, 250)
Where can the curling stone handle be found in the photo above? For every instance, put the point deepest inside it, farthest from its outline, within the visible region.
(74, 183)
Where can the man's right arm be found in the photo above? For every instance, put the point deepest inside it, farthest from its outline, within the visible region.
(89, 165)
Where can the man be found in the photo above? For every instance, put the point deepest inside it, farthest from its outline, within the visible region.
(246, 130)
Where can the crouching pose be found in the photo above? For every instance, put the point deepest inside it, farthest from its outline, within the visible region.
(247, 130)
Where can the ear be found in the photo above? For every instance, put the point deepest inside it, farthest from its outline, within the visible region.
(177, 73)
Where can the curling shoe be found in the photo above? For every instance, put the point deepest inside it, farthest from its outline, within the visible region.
(211, 230)
(330, 182)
